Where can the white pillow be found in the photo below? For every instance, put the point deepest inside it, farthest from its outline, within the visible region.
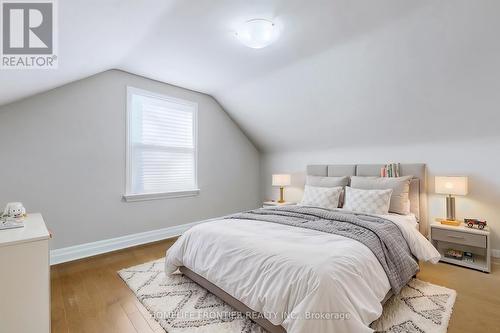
(320, 181)
(367, 201)
(323, 197)
(400, 199)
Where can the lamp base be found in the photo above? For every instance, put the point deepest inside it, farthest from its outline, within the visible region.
(282, 199)
(451, 222)
(454, 223)
(450, 208)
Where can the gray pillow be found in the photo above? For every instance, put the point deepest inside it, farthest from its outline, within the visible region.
(400, 200)
(329, 182)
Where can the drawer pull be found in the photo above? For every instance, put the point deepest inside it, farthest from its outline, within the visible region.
(457, 237)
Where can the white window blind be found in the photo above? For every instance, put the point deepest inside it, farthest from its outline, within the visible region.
(161, 146)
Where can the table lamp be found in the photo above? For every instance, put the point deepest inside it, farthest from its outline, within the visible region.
(281, 180)
(451, 186)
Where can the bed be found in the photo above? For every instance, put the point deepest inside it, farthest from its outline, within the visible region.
(303, 279)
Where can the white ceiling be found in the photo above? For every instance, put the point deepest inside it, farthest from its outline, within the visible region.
(344, 72)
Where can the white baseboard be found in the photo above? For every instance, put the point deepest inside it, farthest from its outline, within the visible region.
(80, 251)
(107, 245)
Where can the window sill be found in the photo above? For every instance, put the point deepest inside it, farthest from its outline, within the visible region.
(162, 195)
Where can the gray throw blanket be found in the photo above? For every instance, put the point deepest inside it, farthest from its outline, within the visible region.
(380, 235)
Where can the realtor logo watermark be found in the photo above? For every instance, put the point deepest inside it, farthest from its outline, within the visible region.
(28, 34)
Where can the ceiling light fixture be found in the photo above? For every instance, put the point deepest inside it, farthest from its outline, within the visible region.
(257, 33)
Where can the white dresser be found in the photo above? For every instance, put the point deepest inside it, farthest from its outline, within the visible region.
(25, 278)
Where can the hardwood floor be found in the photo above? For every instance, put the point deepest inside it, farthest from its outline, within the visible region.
(88, 295)
(477, 308)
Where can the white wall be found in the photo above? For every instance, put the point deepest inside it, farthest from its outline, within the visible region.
(63, 154)
(479, 159)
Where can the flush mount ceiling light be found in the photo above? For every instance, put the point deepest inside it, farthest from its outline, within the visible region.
(257, 33)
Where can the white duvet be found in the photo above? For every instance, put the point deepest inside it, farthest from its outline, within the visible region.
(302, 279)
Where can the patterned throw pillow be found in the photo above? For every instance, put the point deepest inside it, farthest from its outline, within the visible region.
(329, 182)
(323, 197)
(367, 201)
(400, 198)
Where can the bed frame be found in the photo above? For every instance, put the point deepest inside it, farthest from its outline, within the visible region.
(236, 304)
(418, 206)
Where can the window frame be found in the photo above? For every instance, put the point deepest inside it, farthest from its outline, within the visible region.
(129, 196)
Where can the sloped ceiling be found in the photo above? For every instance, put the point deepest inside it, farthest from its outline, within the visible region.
(344, 72)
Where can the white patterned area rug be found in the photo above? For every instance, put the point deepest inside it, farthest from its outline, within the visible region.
(181, 306)
(420, 307)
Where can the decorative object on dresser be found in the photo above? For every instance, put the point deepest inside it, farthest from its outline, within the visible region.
(451, 186)
(461, 245)
(15, 210)
(12, 217)
(281, 180)
(25, 277)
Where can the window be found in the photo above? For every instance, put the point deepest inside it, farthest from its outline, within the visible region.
(161, 146)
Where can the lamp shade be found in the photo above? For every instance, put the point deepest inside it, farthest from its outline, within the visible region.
(451, 185)
(281, 180)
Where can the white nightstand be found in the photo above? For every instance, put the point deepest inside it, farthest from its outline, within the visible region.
(276, 203)
(465, 239)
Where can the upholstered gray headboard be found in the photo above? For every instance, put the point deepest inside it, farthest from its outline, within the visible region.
(418, 185)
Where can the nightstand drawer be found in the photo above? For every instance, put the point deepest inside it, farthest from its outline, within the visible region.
(459, 237)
